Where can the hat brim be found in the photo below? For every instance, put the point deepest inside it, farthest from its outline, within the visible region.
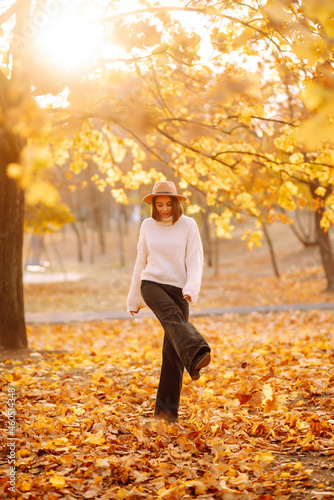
(149, 197)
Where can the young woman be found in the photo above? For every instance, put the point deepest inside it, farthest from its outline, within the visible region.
(167, 278)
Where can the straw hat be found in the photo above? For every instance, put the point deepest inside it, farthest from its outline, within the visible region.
(164, 188)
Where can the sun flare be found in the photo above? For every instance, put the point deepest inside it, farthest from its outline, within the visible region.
(69, 42)
(74, 37)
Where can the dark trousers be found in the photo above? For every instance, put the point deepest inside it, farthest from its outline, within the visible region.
(182, 342)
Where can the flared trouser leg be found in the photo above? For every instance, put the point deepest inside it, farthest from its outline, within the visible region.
(182, 341)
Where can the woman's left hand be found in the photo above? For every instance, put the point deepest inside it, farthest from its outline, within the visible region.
(188, 298)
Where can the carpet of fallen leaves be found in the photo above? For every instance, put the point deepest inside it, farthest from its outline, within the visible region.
(259, 424)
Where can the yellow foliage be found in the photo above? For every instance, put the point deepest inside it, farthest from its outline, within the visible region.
(120, 195)
(246, 202)
(42, 218)
(327, 220)
(60, 156)
(223, 224)
(285, 195)
(193, 209)
(246, 116)
(315, 95)
(307, 52)
(286, 142)
(252, 238)
(41, 191)
(117, 147)
(297, 158)
(114, 175)
(320, 191)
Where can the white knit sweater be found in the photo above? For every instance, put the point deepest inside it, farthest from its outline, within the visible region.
(169, 254)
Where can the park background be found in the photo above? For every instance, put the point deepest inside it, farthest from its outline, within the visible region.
(94, 273)
(234, 101)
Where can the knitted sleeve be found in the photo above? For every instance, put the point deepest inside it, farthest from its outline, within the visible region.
(194, 262)
(135, 299)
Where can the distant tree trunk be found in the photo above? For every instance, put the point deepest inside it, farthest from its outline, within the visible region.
(271, 249)
(126, 219)
(207, 243)
(92, 245)
(12, 322)
(323, 239)
(98, 223)
(120, 227)
(217, 255)
(79, 240)
(307, 238)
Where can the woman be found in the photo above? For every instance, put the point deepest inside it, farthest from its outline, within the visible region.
(167, 278)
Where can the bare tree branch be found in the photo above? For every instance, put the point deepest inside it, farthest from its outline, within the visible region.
(8, 14)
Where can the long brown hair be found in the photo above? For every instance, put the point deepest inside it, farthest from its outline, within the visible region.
(177, 210)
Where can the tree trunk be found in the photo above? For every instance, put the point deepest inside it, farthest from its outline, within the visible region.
(217, 255)
(207, 243)
(78, 235)
(323, 239)
(98, 222)
(271, 249)
(12, 322)
(306, 237)
(120, 227)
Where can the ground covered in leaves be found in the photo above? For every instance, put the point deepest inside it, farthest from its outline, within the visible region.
(259, 424)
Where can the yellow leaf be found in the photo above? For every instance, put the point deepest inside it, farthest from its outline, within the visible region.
(23, 453)
(57, 481)
(231, 472)
(95, 438)
(268, 392)
(305, 52)
(79, 411)
(8, 377)
(25, 486)
(265, 457)
(50, 445)
(121, 494)
(200, 487)
(246, 116)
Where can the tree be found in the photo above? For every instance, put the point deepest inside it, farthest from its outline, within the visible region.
(12, 95)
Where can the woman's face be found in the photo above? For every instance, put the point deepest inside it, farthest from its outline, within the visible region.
(164, 206)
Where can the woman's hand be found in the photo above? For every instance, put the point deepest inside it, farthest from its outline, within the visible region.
(188, 298)
(134, 312)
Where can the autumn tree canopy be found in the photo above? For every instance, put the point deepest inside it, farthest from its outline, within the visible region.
(236, 98)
